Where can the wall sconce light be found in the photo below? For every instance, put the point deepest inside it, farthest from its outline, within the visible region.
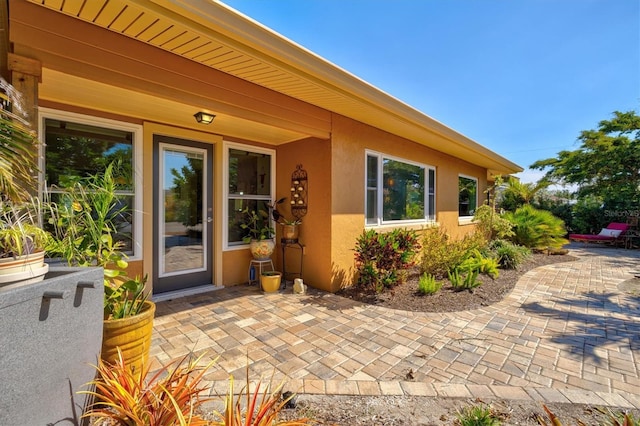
(203, 117)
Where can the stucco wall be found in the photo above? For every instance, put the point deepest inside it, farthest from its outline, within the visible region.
(315, 157)
(350, 139)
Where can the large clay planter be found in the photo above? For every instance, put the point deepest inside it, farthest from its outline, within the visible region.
(270, 281)
(262, 249)
(21, 270)
(132, 335)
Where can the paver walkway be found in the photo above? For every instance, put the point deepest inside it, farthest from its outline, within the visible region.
(566, 333)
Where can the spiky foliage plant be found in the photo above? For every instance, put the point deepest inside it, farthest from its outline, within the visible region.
(428, 284)
(477, 415)
(170, 397)
(537, 229)
(262, 406)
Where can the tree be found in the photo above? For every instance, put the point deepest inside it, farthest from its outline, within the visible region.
(516, 194)
(607, 164)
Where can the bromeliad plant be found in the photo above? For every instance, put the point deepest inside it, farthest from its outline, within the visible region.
(262, 407)
(170, 397)
(85, 233)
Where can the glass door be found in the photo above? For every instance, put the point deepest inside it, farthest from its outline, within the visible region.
(183, 214)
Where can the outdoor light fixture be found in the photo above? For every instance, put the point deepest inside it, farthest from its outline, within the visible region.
(203, 117)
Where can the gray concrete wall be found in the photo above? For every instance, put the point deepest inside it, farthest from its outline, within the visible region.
(47, 346)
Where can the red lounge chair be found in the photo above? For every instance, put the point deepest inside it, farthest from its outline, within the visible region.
(611, 234)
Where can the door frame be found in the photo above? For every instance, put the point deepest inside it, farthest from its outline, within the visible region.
(183, 281)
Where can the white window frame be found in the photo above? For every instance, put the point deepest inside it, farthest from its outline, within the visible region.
(380, 200)
(467, 218)
(136, 129)
(227, 146)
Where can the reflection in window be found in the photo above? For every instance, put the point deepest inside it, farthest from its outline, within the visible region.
(249, 188)
(408, 190)
(74, 151)
(467, 196)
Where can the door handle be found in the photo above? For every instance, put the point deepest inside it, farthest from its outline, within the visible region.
(209, 220)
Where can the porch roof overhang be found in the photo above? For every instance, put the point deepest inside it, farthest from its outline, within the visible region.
(214, 35)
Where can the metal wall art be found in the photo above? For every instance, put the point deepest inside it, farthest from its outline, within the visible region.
(299, 187)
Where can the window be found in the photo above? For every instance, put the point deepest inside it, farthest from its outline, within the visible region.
(467, 196)
(398, 190)
(78, 146)
(249, 185)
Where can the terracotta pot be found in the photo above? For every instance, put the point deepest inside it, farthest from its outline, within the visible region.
(22, 270)
(132, 335)
(261, 250)
(290, 232)
(270, 281)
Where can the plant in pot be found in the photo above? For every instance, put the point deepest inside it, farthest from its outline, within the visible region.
(270, 281)
(22, 241)
(84, 225)
(260, 231)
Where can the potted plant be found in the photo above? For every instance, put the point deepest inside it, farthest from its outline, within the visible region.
(290, 228)
(270, 281)
(22, 244)
(22, 241)
(85, 233)
(260, 231)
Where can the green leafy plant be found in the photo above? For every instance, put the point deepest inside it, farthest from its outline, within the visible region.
(262, 406)
(428, 284)
(491, 223)
(258, 226)
(84, 226)
(509, 255)
(477, 262)
(466, 281)
(18, 148)
(383, 259)
(477, 415)
(537, 229)
(441, 254)
(170, 397)
(19, 232)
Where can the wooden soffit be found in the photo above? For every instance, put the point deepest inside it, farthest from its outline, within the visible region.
(212, 34)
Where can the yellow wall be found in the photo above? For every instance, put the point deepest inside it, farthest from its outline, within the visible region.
(315, 235)
(350, 139)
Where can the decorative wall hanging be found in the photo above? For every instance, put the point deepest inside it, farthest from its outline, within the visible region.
(299, 187)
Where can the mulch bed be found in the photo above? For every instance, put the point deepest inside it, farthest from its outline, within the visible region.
(406, 296)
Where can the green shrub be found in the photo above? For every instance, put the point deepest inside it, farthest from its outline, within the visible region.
(382, 259)
(466, 281)
(492, 224)
(440, 254)
(428, 284)
(537, 229)
(477, 415)
(477, 262)
(509, 255)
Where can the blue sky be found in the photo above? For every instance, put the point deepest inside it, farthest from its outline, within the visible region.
(521, 77)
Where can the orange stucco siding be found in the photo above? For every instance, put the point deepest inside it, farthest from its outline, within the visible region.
(335, 166)
(315, 157)
(350, 139)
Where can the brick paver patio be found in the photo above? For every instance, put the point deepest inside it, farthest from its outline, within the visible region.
(566, 333)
